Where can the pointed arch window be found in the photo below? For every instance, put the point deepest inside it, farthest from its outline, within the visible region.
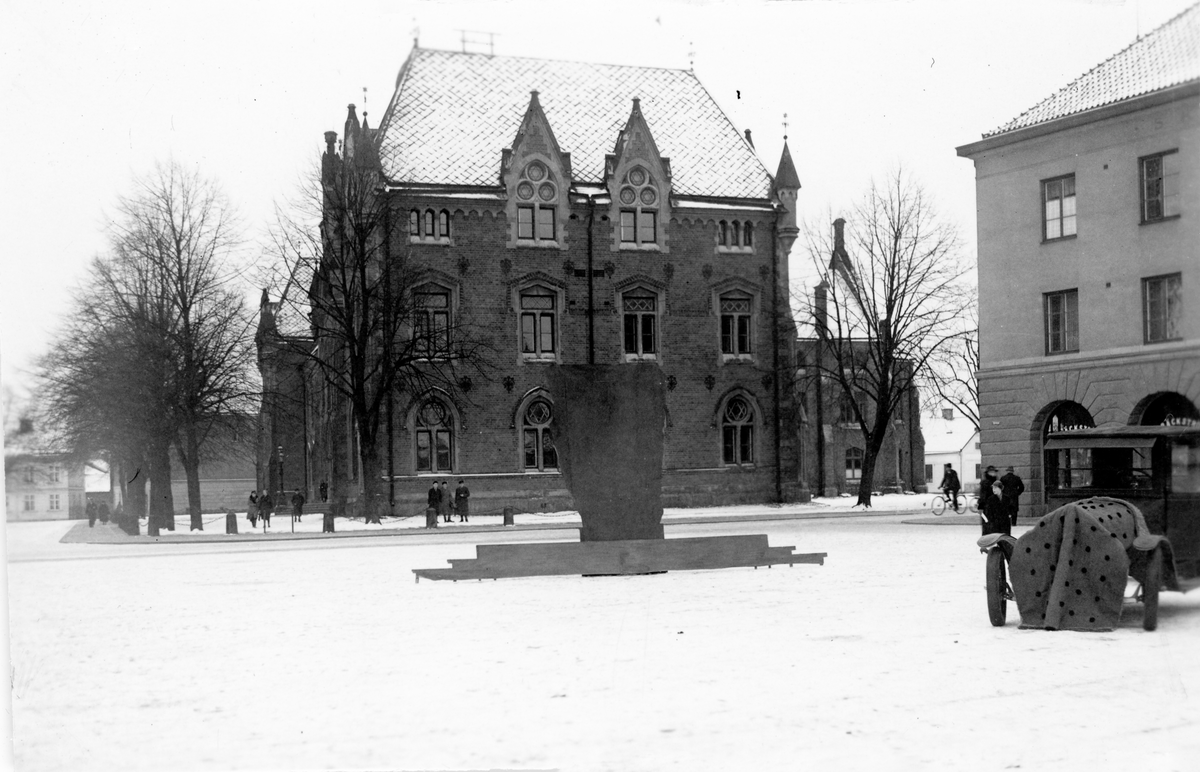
(429, 226)
(737, 432)
(538, 452)
(434, 438)
(735, 236)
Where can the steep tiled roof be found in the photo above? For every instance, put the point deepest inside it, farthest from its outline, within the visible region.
(453, 113)
(1168, 56)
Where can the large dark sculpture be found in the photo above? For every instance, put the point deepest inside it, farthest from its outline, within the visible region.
(608, 428)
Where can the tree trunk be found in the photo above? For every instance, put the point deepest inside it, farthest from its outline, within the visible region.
(372, 484)
(870, 456)
(162, 504)
(133, 479)
(189, 455)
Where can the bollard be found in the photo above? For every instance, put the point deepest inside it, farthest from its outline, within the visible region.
(508, 515)
(431, 517)
(327, 523)
(230, 522)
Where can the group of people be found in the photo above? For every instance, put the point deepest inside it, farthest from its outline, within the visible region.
(441, 501)
(96, 511)
(260, 507)
(998, 497)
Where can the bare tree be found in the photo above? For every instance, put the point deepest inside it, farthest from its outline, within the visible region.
(340, 252)
(885, 304)
(157, 347)
(951, 378)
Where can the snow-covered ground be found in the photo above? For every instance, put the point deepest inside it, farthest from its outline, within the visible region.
(326, 654)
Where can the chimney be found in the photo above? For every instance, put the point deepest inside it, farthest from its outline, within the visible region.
(839, 243)
(820, 311)
(749, 141)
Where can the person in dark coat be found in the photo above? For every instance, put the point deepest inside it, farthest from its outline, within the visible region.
(950, 485)
(435, 498)
(252, 509)
(995, 517)
(297, 504)
(102, 510)
(324, 491)
(1011, 487)
(91, 514)
(444, 502)
(461, 496)
(265, 505)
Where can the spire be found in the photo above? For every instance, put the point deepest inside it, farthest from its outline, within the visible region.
(785, 176)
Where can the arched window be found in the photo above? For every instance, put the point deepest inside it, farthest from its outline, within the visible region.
(639, 201)
(537, 193)
(748, 235)
(539, 453)
(429, 232)
(1068, 467)
(723, 233)
(434, 438)
(443, 224)
(737, 432)
(414, 224)
(854, 463)
(538, 323)
(736, 234)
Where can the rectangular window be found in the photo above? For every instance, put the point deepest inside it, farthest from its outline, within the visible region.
(29, 474)
(28, 504)
(424, 460)
(531, 459)
(854, 461)
(746, 444)
(640, 329)
(525, 222)
(537, 323)
(1058, 199)
(55, 473)
(442, 437)
(431, 327)
(1162, 307)
(978, 476)
(735, 326)
(647, 230)
(54, 507)
(628, 230)
(730, 444)
(545, 223)
(1160, 186)
(929, 473)
(1062, 322)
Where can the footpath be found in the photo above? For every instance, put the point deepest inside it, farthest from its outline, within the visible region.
(915, 509)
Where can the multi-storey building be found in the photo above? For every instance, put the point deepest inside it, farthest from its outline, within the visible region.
(580, 213)
(40, 482)
(1089, 256)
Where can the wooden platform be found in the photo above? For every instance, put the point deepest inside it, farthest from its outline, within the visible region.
(494, 561)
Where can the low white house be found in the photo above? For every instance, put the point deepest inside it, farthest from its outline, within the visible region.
(951, 438)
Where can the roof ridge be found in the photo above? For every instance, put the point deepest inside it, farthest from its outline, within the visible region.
(553, 59)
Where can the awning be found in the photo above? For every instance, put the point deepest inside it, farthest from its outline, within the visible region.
(1064, 443)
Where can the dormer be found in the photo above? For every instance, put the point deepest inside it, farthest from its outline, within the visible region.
(536, 176)
(639, 182)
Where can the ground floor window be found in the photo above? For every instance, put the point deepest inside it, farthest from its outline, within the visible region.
(435, 438)
(854, 464)
(539, 451)
(737, 432)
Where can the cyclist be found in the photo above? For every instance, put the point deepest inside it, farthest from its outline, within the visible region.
(950, 485)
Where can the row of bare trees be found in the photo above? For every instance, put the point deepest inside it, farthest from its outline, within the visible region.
(156, 347)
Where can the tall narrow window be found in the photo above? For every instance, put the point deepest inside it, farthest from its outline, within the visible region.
(55, 473)
(737, 432)
(443, 224)
(1062, 322)
(54, 502)
(538, 443)
(628, 229)
(736, 335)
(434, 438)
(1160, 186)
(29, 474)
(639, 200)
(429, 232)
(748, 235)
(1058, 198)
(545, 223)
(641, 324)
(538, 338)
(723, 233)
(854, 462)
(1162, 307)
(28, 503)
(414, 224)
(536, 194)
(431, 328)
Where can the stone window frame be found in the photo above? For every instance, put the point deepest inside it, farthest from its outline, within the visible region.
(538, 188)
(419, 311)
(519, 290)
(430, 226)
(642, 290)
(735, 237)
(639, 199)
(736, 354)
(452, 424)
(543, 430)
(752, 421)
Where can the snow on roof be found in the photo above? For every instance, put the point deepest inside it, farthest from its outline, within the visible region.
(1168, 56)
(942, 436)
(453, 113)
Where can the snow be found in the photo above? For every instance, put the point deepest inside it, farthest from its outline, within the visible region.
(322, 654)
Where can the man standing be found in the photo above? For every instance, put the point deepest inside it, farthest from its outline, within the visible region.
(461, 505)
(444, 502)
(265, 505)
(297, 505)
(435, 503)
(950, 485)
(1012, 487)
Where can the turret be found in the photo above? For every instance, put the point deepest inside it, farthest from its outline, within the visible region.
(787, 188)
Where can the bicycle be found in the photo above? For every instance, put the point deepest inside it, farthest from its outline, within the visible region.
(941, 501)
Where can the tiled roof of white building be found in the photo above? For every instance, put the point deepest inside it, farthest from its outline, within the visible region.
(453, 113)
(1168, 56)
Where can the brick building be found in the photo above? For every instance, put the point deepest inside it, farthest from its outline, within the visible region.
(1087, 208)
(578, 212)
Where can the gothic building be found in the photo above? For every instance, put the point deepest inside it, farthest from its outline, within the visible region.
(581, 213)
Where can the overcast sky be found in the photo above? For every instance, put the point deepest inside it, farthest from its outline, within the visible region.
(95, 93)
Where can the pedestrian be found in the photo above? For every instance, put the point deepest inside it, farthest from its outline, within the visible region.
(324, 490)
(461, 505)
(1011, 487)
(950, 485)
(995, 518)
(297, 505)
(91, 513)
(265, 505)
(444, 502)
(435, 497)
(102, 509)
(252, 509)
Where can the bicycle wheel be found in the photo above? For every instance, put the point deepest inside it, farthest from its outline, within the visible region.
(996, 582)
(938, 505)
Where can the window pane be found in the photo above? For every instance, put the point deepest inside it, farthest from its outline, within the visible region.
(443, 450)
(726, 334)
(547, 334)
(1071, 320)
(414, 223)
(747, 444)
(528, 338)
(444, 224)
(647, 233)
(531, 449)
(525, 222)
(748, 235)
(539, 302)
(423, 452)
(627, 234)
(723, 233)
(1068, 187)
(429, 231)
(648, 346)
(549, 453)
(743, 339)
(1068, 226)
(1053, 224)
(631, 333)
(545, 223)
(729, 435)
